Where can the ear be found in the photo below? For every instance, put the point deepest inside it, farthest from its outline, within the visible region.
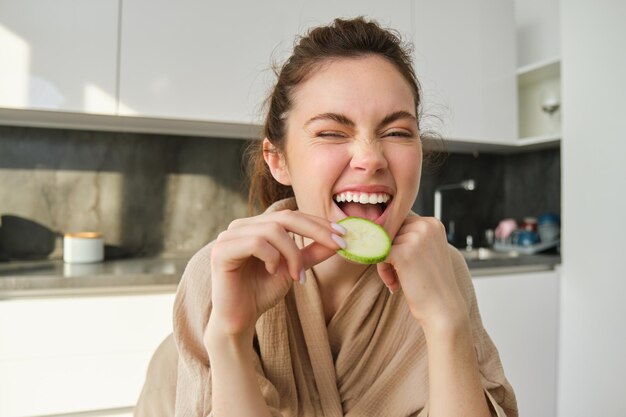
(275, 160)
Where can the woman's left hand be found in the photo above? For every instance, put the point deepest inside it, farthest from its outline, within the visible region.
(419, 262)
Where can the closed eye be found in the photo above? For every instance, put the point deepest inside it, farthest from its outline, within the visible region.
(399, 133)
(331, 135)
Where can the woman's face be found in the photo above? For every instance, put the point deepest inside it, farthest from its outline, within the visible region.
(352, 135)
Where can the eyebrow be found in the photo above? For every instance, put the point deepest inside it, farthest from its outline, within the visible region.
(337, 117)
(344, 120)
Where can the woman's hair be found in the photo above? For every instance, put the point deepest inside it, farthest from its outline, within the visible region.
(341, 39)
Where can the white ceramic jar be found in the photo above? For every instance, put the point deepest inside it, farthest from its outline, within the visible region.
(83, 247)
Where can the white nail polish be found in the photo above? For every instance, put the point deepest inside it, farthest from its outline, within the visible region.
(302, 277)
(339, 228)
(339, 240)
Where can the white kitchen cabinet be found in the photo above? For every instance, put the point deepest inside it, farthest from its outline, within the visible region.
(200, 60)
(520, 313)
(204, 68)
(59, 55)
(65, 355)
(397, 17)
(538, 31)
(465, 61)
(212, 61)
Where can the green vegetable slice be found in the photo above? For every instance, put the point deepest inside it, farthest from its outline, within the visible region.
(368, 243)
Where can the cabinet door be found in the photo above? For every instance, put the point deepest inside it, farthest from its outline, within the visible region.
(203, 60)
(465, 61)
(396, 15)
(66, 355)
(209, 61)
(59, 55)
(520, 313)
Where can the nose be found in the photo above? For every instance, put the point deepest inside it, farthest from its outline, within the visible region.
(369, 157)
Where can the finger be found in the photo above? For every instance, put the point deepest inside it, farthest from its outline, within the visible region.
(233, 253)
(388, 275)
(276, 236)
(315, 253)
(429, 227)
(313, 227)
(318, 234)
(409, 221)
(275, 216)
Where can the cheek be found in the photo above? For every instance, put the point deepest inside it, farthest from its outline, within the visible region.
(407, 165)
(320, 165)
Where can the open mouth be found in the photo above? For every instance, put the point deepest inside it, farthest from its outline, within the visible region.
(369, 206)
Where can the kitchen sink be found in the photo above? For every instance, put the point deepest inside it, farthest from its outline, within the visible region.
(485, 254)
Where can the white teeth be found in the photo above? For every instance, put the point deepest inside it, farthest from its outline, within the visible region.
(363, 198)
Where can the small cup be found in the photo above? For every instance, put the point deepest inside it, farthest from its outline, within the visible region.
(549, 232)
(527, 238)
(83, 247)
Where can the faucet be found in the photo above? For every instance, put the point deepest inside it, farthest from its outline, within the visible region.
(466, 185)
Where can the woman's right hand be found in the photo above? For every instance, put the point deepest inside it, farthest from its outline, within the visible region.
(255, 261)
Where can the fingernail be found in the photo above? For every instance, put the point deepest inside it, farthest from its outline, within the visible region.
(302, 276)
(339, 240)
(339, 228)
(390, 290)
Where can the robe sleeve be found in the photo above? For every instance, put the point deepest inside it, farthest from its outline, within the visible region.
(497, 389)
(192, 309)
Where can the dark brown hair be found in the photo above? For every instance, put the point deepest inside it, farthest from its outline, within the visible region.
(341, 39)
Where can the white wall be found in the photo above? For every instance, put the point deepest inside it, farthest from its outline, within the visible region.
(537, 30)
(593, 299)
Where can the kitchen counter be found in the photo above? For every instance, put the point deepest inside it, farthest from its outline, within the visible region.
(53, 277)
(514, 265)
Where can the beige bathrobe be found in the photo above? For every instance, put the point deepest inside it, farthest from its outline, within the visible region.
(370, 360)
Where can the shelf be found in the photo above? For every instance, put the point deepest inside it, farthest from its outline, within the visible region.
(539, 71)
(538, 86)
(540, 139)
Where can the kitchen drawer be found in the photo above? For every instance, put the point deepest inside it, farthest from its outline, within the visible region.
(68, 384)
(62, 355)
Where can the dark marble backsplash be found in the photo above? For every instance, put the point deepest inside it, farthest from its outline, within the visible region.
(147, 194)
(151, 194)
(507, 186)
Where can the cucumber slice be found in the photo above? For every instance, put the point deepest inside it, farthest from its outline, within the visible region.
(368, 243)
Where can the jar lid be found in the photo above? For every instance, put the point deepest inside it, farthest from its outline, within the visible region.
(84, 235)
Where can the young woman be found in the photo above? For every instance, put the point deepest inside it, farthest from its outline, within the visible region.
(269, 321)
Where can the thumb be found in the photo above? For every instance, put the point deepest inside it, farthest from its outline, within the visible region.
(314, 254)
(388, 274)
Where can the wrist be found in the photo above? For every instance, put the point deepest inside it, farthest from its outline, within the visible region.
(446, 327)
(220, 337)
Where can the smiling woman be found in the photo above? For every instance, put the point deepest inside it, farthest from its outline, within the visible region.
(367, 144)
(341, 139)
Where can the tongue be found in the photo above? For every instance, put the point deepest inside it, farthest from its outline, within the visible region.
(366, 211)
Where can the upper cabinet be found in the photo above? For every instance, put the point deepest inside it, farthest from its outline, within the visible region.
(200, 60)
(213, 61)
(59, 55)
(538, 31)
(205, 68)
(465, 61)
